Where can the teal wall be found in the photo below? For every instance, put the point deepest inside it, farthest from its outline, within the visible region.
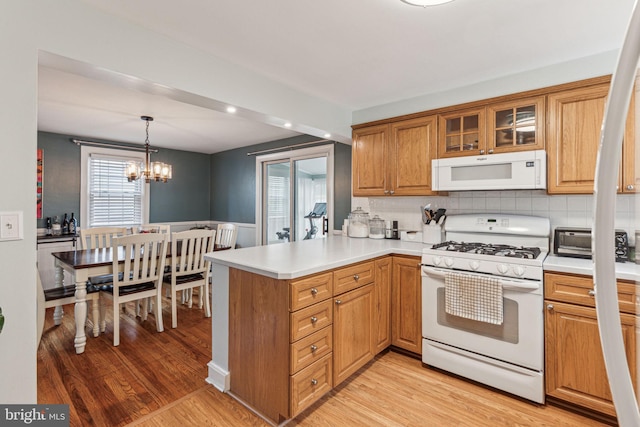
(219, 187)
(184, 198)
(233, 181)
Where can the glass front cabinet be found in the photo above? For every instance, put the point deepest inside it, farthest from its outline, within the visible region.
(516, 125)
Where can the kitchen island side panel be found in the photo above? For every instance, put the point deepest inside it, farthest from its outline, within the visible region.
(259, 342)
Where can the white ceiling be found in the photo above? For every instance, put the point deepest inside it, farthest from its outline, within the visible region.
(354, 53)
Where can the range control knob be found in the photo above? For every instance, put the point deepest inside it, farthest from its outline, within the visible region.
(518, 270)
(437, 260)
(448, 262)
(503, 268)
(474, 265)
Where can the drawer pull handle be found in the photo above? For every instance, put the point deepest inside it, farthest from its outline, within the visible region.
(314, 319)
(314, 381)
(550, 307)
(314, 291)
(592, 293)
(356, 277)
(313, 347)
(338, 301)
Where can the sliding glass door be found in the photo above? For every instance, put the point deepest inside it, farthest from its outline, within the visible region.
(295, 198)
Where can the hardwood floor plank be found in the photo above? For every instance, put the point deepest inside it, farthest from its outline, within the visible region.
(158, 379)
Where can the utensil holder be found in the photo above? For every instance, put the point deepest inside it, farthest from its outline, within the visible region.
(431, 233)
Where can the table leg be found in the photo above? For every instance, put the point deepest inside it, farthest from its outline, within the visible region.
(58, 312)
(80, 315)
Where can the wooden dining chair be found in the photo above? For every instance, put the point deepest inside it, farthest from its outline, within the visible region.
(227, 235)
(99, 237)
(60, 296)
(143, 257)
(190, 270)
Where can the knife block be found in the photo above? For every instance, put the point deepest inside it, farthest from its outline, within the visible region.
(431, 233)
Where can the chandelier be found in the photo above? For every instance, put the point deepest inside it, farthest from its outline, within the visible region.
(157, 171)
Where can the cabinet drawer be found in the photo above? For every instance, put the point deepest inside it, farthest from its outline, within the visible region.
(310, 384)
(578, 289)
(311, 319)
(352, 277)
(309, 349)
(311, 290)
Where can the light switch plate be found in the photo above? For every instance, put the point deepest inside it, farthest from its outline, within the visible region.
(11, 226)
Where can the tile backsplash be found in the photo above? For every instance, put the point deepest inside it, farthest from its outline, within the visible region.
(562, 210)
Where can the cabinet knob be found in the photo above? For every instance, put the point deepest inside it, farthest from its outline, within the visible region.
(356, 277)
(314, 291)
(392, 191)
(338, 301)
(592, 293)
(386, 191)
(481, 151)
(313, 347)
(630, 187)
(314, 319)
(549, 307)
(314, 381)
(491, 151)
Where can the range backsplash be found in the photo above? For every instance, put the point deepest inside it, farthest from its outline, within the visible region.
(562, 210)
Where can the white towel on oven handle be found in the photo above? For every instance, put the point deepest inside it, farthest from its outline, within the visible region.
(474, 297)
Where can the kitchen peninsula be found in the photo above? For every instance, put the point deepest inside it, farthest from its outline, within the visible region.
(290, 321)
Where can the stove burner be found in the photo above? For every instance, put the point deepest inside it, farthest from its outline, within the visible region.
(489, 249)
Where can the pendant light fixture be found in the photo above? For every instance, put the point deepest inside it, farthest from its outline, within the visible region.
(157, 171)
(425, 3)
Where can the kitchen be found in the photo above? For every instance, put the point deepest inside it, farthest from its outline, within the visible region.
(559, 206)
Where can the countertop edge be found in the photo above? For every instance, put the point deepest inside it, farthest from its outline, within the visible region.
(624, 270)
(374, 250)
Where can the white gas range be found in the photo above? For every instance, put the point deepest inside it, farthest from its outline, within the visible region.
(482, 301)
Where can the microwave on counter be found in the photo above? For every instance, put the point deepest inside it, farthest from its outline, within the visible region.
(576, 242)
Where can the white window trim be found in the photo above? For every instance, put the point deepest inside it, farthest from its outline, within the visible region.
(85, 153)
(326, 150)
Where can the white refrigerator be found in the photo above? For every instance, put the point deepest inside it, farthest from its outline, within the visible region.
(609, 154)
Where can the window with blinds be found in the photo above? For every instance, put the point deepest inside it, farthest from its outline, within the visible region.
(112, 199)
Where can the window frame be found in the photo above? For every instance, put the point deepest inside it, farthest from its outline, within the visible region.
(127, 155)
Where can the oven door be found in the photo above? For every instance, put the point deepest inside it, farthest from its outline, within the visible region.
(518, 340)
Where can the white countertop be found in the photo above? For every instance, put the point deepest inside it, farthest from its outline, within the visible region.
(297, 259)
(624, 270)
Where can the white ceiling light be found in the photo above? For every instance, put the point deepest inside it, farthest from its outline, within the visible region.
(425, 3)
(231, 109)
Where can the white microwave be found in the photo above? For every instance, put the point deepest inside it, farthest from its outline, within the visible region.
(519, 170)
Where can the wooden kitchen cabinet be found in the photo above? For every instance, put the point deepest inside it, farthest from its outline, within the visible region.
(382, 319)
(512, 125)
(575, 369)
(573, 137)
(516, 125)
(462, 133)
(406, 304)
(394, 159)
(353, 319)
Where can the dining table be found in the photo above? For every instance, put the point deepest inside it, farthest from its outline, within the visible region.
(83, 264)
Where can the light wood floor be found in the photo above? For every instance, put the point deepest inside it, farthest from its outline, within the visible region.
(157, 379)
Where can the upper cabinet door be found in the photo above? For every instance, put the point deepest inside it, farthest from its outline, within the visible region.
(575, 122)
(516, 125)
(630, 162)
(369, 153)
(462, 133)
(413, 145)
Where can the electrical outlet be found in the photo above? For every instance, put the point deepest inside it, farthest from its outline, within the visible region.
(11, 226)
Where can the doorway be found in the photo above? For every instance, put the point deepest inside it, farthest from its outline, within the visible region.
(294, 198)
